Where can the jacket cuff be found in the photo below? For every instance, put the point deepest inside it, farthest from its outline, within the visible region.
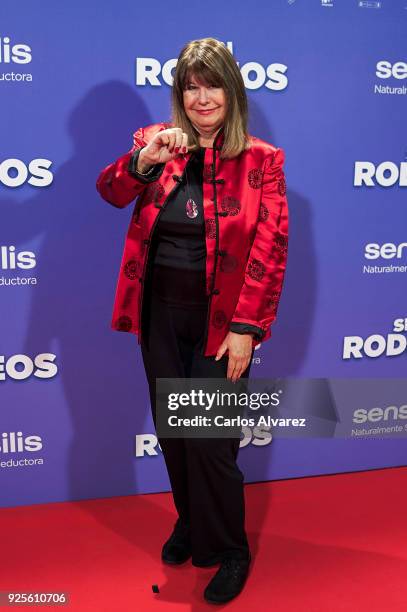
(245, 328)
(149, 177)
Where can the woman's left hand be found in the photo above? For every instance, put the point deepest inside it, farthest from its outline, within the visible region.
(240, 352)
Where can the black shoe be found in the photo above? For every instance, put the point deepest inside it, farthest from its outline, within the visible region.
(228, 580)
(177, 549)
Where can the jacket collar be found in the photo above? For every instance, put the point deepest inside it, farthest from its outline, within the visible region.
(219, 138)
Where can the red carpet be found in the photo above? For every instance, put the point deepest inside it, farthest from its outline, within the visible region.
(321, 544)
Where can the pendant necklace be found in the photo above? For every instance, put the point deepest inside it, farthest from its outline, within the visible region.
(191, 208)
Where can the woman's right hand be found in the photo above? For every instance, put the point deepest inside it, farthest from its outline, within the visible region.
(163, 147)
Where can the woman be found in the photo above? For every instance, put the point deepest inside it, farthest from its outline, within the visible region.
(200, 282)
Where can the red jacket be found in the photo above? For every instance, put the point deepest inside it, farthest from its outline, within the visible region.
(246, 221)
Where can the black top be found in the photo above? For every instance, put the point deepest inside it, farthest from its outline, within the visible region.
(178, 246)
(181, 239)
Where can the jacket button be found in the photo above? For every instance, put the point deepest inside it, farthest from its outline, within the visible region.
(140, 280)
(146, 240)
(216, 291)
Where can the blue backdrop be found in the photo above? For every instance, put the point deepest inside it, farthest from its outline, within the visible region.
(326, 81)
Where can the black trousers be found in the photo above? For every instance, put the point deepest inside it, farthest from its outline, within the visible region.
(206, 482)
